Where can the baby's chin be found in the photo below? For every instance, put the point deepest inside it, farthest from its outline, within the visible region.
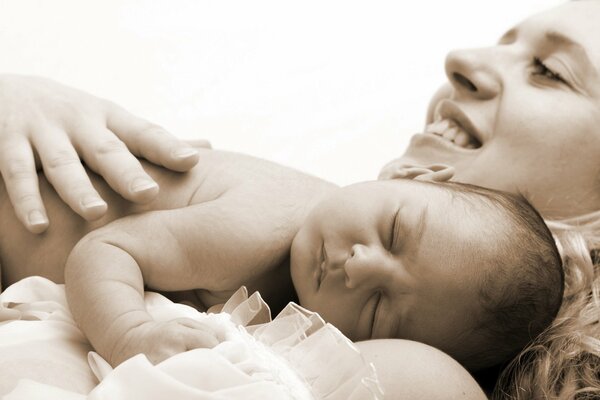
(299, 266)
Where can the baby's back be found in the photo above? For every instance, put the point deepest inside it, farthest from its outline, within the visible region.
(24, 254)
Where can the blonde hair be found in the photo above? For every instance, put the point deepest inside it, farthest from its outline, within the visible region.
(564, 361)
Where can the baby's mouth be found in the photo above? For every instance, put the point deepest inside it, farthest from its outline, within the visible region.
(453, 132)
(323, 262)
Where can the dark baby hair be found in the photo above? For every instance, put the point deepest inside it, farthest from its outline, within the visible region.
(523, 282)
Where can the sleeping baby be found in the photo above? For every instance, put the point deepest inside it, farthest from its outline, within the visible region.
(471, 271)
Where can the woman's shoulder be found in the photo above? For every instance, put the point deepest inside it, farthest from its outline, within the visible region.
(412, 370)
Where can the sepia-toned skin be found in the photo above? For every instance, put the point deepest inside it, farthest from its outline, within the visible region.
(539, 132)
(394, 264)
(396, 259)
(229, 222)
(539, 126)
(44, 124)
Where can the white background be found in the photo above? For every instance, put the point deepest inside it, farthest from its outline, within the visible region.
(335, 88)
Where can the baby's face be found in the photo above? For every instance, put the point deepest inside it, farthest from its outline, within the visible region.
(394, 259)
(531, 103)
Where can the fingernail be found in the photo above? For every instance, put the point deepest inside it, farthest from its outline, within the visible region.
(142, 184)
(37, 218)
(92, 202)
(185, 153)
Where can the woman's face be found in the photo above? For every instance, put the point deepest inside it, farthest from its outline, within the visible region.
(524, 115)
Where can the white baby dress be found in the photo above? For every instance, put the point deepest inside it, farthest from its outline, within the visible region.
(295, 356)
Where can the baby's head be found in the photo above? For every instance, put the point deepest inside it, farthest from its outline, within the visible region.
(471, 271)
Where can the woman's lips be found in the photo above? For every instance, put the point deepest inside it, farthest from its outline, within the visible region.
(432, 140)
(451, 122)
(453, 133)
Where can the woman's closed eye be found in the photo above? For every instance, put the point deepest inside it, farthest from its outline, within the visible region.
(541, 69)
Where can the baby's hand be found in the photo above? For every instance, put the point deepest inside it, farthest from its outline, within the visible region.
(43, 123)
(397, 169)
(161, 340)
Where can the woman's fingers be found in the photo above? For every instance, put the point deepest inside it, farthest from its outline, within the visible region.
(17, 166)
(63, 169)
(203, 143)
(150, 141)
(96, 129)
(104, 153)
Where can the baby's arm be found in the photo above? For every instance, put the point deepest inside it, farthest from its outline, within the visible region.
(59, 125)
(105, 289)
(212, 245)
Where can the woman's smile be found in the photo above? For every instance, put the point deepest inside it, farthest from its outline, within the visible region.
(454, 126)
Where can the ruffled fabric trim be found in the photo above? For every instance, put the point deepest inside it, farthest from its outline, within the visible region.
(295, 356)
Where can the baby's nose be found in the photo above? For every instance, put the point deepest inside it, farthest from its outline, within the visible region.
(364, 266)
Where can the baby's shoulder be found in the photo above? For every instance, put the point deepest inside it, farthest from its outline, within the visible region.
(223, 172)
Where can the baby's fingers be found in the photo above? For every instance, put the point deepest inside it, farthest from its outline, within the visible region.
(397, 169)
(198, 335)
(150, 141)
(64, 171)
(17, 166)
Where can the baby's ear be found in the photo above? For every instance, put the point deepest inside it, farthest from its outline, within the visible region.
(430, 173)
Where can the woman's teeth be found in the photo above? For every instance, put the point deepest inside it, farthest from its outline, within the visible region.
(452, 132)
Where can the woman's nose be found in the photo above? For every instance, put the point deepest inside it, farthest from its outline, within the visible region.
(474, 73)
(365, 266)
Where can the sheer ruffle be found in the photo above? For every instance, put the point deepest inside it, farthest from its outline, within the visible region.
(295, 356)
(39, 339)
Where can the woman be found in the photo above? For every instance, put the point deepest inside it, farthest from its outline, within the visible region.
(530, 110)
(521, 116)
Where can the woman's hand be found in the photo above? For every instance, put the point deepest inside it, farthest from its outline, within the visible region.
(49, 125)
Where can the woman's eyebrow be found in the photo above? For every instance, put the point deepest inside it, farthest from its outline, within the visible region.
(580, 54)
(562, 41)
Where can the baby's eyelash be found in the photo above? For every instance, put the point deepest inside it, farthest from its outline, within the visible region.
(393, 232)
(541, 69)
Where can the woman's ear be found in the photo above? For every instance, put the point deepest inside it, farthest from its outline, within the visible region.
(429, 173)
